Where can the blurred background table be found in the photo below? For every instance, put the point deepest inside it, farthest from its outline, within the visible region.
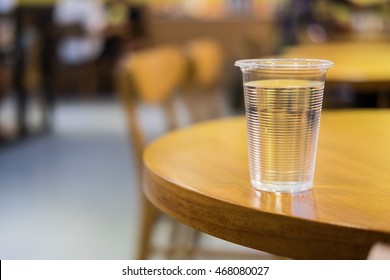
(359, 66)
(200, 176)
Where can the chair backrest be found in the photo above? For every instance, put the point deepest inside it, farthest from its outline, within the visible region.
(150, 76)
(205, 59)
(156, 73)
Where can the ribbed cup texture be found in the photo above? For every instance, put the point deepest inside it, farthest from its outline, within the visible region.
(283, 119)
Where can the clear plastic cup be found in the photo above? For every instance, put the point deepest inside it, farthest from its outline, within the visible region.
(283, 102)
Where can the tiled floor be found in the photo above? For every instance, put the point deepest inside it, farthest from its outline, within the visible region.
(72, 194)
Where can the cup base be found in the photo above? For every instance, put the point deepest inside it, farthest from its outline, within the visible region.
(284, 187)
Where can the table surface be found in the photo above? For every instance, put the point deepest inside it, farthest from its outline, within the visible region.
(199, 175)
(355, 62)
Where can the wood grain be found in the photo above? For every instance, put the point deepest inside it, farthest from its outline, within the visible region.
(199, 175)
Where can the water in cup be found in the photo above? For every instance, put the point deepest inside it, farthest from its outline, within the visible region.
(283, 120)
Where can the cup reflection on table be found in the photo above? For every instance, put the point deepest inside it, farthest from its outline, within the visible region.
(283, 102)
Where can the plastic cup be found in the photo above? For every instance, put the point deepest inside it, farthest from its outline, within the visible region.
(283, 102)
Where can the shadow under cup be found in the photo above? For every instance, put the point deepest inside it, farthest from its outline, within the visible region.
(283, 102)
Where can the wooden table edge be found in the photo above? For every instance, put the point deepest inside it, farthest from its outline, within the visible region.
(258, 229)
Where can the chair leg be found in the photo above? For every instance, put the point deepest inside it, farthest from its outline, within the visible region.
(149, 215)
(215, 103)
(194, 105)
(183, 242)
(174, 241)
(194, 243)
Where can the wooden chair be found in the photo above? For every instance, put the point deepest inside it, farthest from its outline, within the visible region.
(205, 58)
(153, 76)
(150, 76)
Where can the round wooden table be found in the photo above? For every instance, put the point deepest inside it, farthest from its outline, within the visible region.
(199, 175)
(358, 62)
(361, 66)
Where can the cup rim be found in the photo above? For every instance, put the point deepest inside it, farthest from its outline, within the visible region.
(284, 63)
